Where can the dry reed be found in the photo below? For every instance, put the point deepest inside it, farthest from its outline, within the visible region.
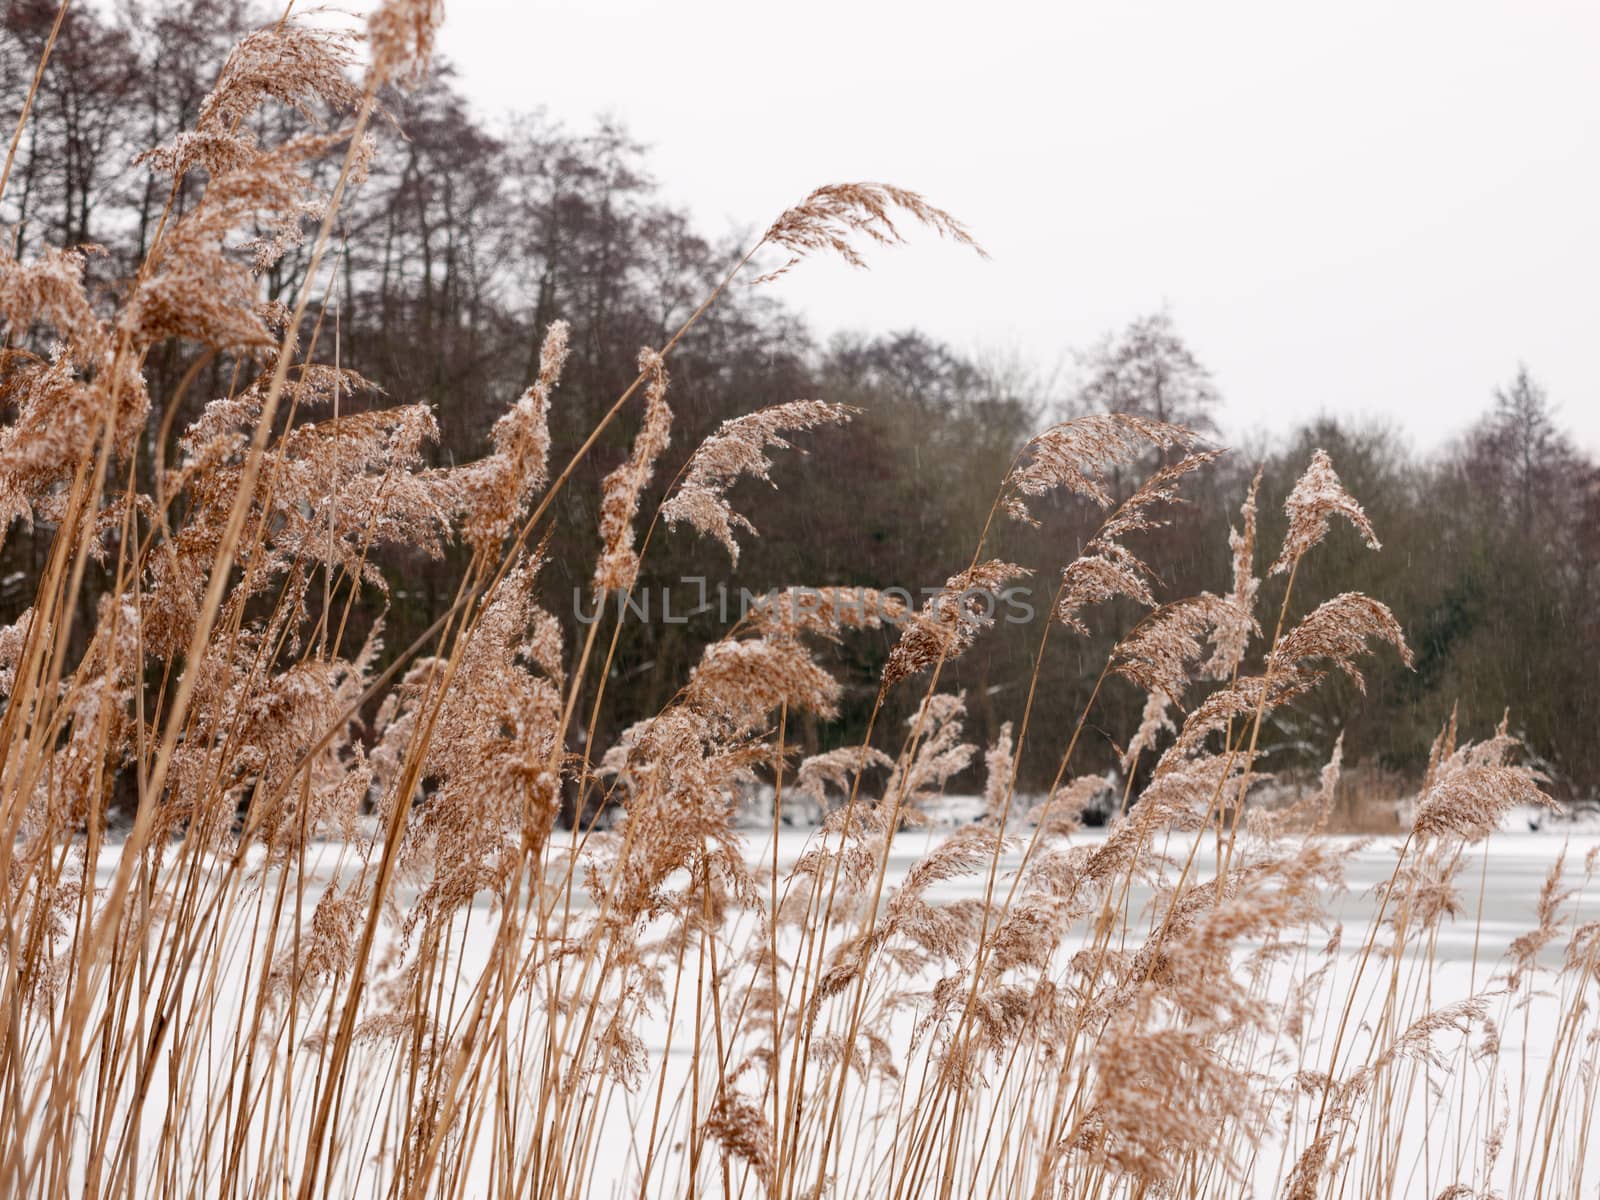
(348, 954)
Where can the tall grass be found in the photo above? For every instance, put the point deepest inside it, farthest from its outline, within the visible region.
(345, 947)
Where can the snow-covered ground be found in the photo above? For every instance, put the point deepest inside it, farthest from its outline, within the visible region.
(1498, 891)
(1499, 884)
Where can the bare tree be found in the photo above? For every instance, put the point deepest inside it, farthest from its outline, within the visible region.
(1520, 457)
(1148, 370)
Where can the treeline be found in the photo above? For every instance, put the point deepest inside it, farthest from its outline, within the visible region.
(468, 237)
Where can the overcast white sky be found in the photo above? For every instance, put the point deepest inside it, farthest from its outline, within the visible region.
(1362, 208)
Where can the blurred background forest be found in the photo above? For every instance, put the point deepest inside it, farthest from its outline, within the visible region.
(472, 235)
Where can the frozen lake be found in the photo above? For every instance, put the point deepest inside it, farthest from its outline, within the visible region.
(1498, 888)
